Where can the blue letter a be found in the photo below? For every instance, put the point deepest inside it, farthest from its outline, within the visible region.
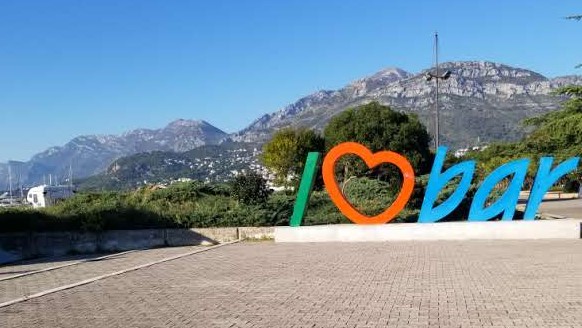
(545, 178)
(437, 181)
(507, 202)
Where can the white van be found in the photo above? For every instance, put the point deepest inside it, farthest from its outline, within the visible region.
(43, 196)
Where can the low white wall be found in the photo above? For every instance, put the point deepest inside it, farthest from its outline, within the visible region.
(18, 246)
(541, 229)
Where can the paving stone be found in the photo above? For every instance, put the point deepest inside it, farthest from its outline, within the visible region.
(398, 284)
(34, 283)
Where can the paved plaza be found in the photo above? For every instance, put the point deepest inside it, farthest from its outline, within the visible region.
(398, 284)
(555, 203)
(571, 208)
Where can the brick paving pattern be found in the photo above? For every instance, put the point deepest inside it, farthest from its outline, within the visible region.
(403, 284)
(568, 208)
(19, 287)
(7, 270)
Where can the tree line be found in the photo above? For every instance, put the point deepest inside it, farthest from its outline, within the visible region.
(373, 125)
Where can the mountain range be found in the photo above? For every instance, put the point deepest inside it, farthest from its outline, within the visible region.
(482, 101)
(91, 154)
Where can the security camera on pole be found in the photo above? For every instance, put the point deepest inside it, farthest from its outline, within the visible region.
(437, 77)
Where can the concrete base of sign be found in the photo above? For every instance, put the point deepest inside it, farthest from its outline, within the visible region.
(540, 229)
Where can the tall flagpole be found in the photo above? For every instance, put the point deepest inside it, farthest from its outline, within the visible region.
(437, 76)
(436, 100)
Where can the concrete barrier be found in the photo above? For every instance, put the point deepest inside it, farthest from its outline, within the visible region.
(84, 242)
(257, 233)
(542, 229)
(219, 234)
(51, 243)
(124, 240)
(15, 246)
(188, 237)
(19, 246)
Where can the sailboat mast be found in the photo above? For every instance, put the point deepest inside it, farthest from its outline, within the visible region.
(10, 183)
(20, 185)
(71, 175)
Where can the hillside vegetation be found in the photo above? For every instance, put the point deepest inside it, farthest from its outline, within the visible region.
(557, 134)
(210, 163)
(182, 205)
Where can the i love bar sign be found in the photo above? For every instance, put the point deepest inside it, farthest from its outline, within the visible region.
(515, 170)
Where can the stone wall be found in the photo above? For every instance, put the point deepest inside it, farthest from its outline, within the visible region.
(18, 246)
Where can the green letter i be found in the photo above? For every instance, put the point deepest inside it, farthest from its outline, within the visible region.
(307, 180)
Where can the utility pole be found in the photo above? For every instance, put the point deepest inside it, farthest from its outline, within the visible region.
(437, 77)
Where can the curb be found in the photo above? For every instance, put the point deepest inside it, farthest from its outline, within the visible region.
(68, 265)
(550, 216)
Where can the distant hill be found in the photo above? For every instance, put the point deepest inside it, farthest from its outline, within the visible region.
(92, 154)
(211, 163)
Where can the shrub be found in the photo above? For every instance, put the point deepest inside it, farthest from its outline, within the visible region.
(572, 186)
(198, 205)
(250, 189)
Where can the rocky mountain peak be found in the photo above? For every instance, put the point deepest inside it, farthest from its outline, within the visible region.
(182, 123)
(389, 74)
(90, 154)
(473, 100)
(484, 70)
(379, 79)
(392, 73)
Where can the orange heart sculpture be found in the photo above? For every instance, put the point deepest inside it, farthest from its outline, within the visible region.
(372, 160)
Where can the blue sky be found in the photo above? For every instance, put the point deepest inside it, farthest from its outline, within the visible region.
(97, 67)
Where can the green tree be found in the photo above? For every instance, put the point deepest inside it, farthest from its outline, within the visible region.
(286, 152)
(380, 128)
(557, 134)
(250, 189)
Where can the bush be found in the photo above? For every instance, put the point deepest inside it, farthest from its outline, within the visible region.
(572, 186)
(250, 189)
(198, 205)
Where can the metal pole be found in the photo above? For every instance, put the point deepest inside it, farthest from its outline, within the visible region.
(436, 56)
(436, 75)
